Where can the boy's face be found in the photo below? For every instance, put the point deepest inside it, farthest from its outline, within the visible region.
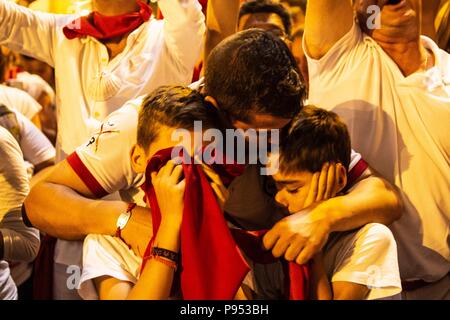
(293, 189)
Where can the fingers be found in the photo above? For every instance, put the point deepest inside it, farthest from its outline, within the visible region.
(322, 186)
(331, 182)
(294, 250)
(270, 238)
(312, 193)
(307, 252)
(280, 247)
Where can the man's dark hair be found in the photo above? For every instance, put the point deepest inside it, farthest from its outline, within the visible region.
(267, 6)
(254, 72)
(173, 106)
(314, 137)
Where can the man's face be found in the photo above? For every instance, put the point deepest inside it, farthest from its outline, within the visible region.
(293, 189)
(270, 22)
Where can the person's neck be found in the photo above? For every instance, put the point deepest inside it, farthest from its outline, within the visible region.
(410, 57)
(115, 8)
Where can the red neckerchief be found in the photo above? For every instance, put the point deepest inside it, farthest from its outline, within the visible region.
(205, 234)
(104, 27)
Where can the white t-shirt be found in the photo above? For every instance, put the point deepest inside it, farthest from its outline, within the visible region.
(20, 242)
(8, 289)
(35, 146)
(19, 100)
(32, 84)
(367, 256)
(88, 85)
(400, 126)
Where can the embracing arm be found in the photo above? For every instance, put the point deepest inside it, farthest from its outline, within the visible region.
(326, 22)
(372, 199)
(63, 206)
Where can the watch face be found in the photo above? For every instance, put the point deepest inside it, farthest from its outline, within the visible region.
(122, 221)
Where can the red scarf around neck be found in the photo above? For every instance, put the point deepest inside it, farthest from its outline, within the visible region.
(212, 267)
(103, 27)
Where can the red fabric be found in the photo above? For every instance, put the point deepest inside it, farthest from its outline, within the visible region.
(205, 234)
(105, 27)
(356, 172)
(43, 270)
(86, 176)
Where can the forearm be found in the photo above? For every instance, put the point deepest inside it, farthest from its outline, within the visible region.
(26, 31)
(221, 22)
(320, 286)
(156, 279)
(17, 242)
(63, 213)
(371, 200)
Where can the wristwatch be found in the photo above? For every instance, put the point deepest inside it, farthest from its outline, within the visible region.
(123, 219)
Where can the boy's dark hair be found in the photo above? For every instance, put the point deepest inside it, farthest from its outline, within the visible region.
(267, 6)
(173, 106)
(254, 72)
(314, 137)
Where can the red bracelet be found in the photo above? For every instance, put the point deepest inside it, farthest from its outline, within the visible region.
(167, 262)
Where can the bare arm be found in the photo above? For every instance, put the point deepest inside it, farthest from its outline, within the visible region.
(326, 22)
(62, 206)
(372, 199)
(221, 22)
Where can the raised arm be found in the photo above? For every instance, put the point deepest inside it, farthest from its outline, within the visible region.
(26, 31)
(221, 22)
(326, 22)
(184, 29)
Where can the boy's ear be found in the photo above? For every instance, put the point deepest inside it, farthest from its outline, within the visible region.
(138, 159)
(341, 177)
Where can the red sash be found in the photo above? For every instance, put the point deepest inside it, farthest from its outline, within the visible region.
(105, 27)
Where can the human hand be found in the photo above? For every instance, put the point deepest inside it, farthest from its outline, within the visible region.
(169, 189)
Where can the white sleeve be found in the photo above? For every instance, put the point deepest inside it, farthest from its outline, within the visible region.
(106, 256)
(103, 162)
(21, 101)
(184, 30)
(28, 32)
(370, 258)
(35, 146)
(20, 242)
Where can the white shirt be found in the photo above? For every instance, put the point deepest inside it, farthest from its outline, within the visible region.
(19, 100)
(20, 242)
(88, 85)
(35, 146)
(8, 289)
(400, 126)
(367, 256)
(32, 84)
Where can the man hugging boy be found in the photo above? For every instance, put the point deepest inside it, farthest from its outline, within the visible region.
(359, 264)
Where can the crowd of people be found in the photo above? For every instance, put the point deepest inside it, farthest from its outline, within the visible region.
(105, 192)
